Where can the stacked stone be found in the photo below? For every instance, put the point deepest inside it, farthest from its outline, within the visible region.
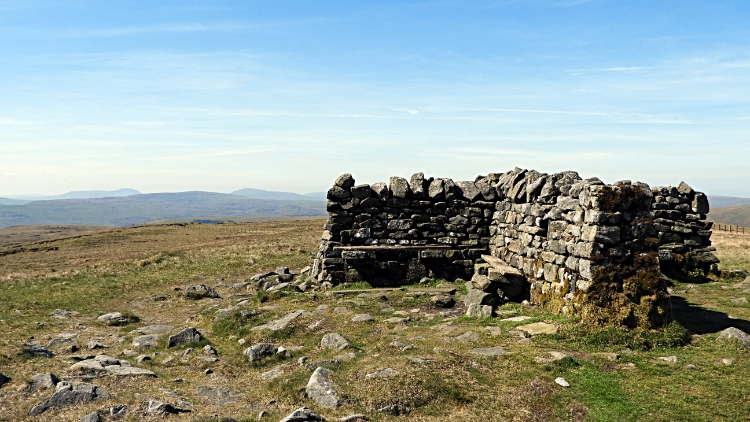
(679, 218)
(416, 213)
(557, 229)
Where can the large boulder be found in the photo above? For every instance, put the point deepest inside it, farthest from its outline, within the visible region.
(303, 414)
(334, 341)
(399, 187)
(260, 351)
(70, 394)
(735, 334)
(200, 291)
(321, 390)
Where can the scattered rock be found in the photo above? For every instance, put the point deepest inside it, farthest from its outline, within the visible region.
(118, 411)
(490, 351)
(727, 361)
(321, 390)
(382, 373)
(96, 345)
(303, 414)
(91, 417)
(273, 373)
(385, 307)
(260, 351)
(147, 341)
(669, 359)
(200, 291)
(561, 381)
(70, 394)
(735, 333)
(186, 336)
(538, 328)
(401, 345)
(468, 337)
(690, 366)
(494, 331)
(391, 408)
(396, 320)
(608, 356)
(479, 311)
(209, 350)
(628, 366)
(157, 407)
(420, 361)
(346, 356)
(552, 356)
(223, 396)
(38, 350)
(327, 363)
(280, 324)
(154, 329)
(517, 318)
(63, 313)
(114, 319)
(362, 318)
(62, 339)
(334, 341)
(354, 418)
(142, 358)
(40, 381)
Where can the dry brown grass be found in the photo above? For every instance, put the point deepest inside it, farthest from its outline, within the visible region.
(732, 249)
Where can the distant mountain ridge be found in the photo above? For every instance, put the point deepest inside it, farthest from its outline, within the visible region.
(737, 216)
(138, 209)
(81, 194)
(275, 195)
(717, 201)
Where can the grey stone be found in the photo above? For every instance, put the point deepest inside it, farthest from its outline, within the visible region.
(468, 190)
(561, 382)
(70, 394)
(282, 323)
(354, 418)
(113, 318)
(468, 337)
(337, 194)
(436, 189)
(346, 181)
(700, 203)
(91, 417)
(154, 329)
(63, 313)
(609, 235)
(685, 189)
(61, 341)
(476, 296)
(735, 333)
(260, 351)
(128, 371)
(362, 318)
(417, 185)
(321, 389)
(399, 187)
(381, 191)
(223, 395)
(38, 350)
(479, 311)
(303, 414)
(200, 291)
(334, 341)
(382, 373)
(327, 363)
(443, 301)
(118, 411)
(401, 345)
(142, 358)
(490, 351)
(273, 373)
(44, 381)
(538, 328)
(93, 344)
(158, 407)
(186, 336)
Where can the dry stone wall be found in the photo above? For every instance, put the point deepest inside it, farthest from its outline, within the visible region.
(578, 246)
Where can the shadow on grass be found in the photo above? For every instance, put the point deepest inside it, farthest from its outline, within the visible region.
(702, 321)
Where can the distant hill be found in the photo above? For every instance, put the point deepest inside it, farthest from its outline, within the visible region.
(82, 194)
(289, 196)
(138, 209)
(738, 216)
(718, 201)
(209, 219)
(8, 201)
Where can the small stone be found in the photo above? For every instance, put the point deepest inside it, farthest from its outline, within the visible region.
(689, 366)
(396, 320)
(347, 356)
(282, 323)
(114, 319)
(362, 318)
(261, 414)
(273, 373)
(38, 350)
(490, 351)
(538, 328)
(118, 411)
(494, 331)
(468, 337)
(91, 417)
(209, 350)
(303, 414)
(200, 291)
(142, 358)
(669, 359)
(157, 407)
(479, 311)
(402, 346)
(727, 361)
(552, 356)
(334, 341)
(561, 381)
(628, 366)
(420, 361)
(63, 313)
(517, 318)
(186, 336)
(147, 341)
(382, 373)
(354, 418)
(260, 351)
(608, 356)
(42, 381)
(96, 345)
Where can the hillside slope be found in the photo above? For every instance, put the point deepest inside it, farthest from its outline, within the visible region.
(738, 216)
(137, 209)
(288, 196)
(718, 201)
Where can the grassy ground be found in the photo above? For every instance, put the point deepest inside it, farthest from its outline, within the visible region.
(125, 269)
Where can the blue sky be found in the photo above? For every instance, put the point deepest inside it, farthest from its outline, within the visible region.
(287, 95)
